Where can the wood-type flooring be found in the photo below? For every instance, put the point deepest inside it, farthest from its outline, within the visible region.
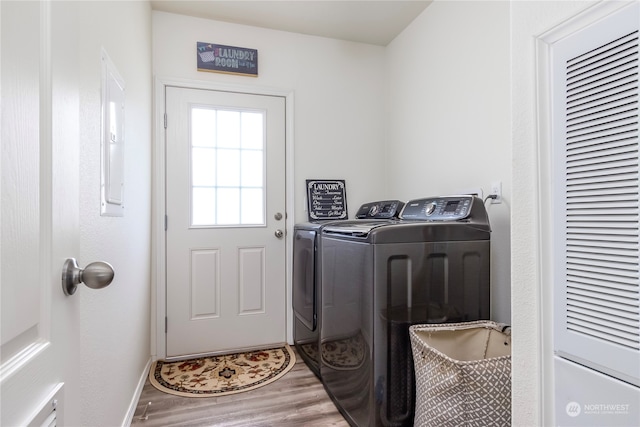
(297, 399)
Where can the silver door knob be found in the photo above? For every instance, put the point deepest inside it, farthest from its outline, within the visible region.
(279, 234)
(96, 275)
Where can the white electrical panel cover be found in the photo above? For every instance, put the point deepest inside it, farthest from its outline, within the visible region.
(112, 176)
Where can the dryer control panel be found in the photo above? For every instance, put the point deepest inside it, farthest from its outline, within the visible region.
(386, 209)
(445, 208)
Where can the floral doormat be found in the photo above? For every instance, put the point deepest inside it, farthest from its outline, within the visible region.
(220, 375)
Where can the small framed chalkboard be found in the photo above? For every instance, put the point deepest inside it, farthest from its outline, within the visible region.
(326, 199)
(219, 58)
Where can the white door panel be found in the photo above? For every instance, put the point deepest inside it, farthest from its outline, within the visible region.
(225, 185)
(39, 213)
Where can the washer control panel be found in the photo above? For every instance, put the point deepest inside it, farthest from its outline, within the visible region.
(445, 208)
(385, 209)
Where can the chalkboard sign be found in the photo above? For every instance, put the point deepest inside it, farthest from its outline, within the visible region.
(227, 59)
(326, 199)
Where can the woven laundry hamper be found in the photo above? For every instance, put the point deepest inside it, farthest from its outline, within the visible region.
(463, 374)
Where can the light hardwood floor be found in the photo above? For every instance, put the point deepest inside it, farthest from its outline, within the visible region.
(297, 399)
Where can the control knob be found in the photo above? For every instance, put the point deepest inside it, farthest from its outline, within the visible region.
(431, 207)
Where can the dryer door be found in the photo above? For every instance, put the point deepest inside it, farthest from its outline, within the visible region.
(304, 277)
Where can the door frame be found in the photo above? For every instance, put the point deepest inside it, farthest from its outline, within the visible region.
(158, 241)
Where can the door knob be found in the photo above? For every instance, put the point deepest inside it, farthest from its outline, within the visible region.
(279, 234)
(96, 275)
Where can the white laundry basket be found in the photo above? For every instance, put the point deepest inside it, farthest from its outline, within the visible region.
(463, 374)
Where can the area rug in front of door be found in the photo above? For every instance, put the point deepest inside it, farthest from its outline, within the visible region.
(220, 375)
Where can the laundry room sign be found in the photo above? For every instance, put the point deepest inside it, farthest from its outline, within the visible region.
(227, 59)
(326, 199)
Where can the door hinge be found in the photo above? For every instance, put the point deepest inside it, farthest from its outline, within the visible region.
(165, 120)
(166, 325)
(166, 222)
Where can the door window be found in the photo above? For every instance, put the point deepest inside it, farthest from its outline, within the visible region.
(227, 167)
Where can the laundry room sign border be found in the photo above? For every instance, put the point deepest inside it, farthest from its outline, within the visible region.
(220, 58)
(326, 199)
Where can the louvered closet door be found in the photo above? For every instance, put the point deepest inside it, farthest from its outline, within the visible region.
(596, 197)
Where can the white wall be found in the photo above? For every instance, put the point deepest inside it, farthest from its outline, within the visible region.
(448, 116)
(114, 337)
(532, 378)
(338, 96)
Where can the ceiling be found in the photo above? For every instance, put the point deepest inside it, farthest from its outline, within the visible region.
(375, 22)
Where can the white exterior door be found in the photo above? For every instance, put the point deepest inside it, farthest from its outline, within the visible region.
(225, 201)
(39, 216)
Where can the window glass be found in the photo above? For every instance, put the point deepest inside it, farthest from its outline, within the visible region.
(227, 167)
(203, 127)
(203, 167)
(252, 206)
(203, 202)
(228, 130)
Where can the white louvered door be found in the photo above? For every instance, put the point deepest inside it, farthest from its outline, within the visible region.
(597, 198)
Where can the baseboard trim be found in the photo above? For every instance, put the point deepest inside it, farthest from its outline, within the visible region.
(136, 396)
